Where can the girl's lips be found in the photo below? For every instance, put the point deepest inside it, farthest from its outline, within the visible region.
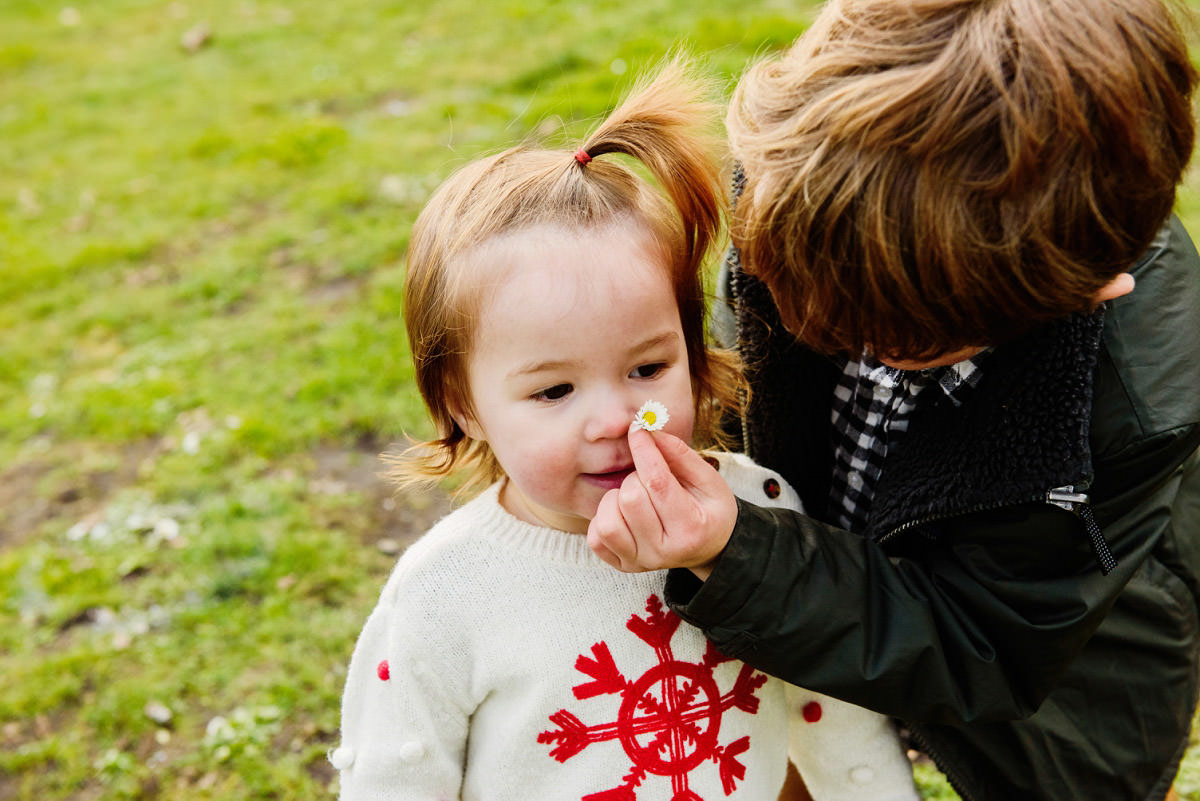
(609, 480)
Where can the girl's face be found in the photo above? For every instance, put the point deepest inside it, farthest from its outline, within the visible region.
(579, 331)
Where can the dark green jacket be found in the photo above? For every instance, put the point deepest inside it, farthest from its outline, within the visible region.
(974, 609)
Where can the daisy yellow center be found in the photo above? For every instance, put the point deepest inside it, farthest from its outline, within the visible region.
(650, 417)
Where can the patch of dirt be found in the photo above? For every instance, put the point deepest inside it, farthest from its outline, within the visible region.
(391, 522)
(320, 283)
(396, 518)
(20, 507)
(16, 733)
(321, 771)
(26, 504)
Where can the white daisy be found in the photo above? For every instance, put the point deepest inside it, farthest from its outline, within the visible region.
(652, 416)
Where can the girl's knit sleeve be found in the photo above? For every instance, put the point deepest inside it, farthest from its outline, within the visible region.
(404, 709)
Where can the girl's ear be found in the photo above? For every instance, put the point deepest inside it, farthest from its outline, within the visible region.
(467, 423)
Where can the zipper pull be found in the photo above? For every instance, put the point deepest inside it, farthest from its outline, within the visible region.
(1078, 504)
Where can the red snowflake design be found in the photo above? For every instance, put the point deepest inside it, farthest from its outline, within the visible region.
(669, 719)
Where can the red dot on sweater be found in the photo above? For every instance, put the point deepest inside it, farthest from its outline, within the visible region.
(811, 711)
(381, 670)
(771, 488)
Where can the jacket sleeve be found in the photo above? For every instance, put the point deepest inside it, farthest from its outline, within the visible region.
(978, 623)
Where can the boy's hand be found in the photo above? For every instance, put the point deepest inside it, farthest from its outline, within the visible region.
(674, 511)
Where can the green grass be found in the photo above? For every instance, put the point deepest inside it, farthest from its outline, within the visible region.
(201, 349)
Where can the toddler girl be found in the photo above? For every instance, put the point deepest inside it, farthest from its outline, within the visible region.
(549, 297)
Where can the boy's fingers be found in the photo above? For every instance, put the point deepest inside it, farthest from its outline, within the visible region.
(609, 537)
(605, 555)
(647, 460)
(672, 503)
(638, 511)
(713, 510)
(666, 494)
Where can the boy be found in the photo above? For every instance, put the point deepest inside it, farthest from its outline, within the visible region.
(946, 207)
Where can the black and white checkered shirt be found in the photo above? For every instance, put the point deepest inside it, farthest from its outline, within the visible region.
(872, 405)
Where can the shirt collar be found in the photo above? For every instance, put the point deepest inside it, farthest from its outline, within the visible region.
(951, 377)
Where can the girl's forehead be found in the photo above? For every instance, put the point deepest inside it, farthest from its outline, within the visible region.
(584, 239)
(600, 272)
(585, 256)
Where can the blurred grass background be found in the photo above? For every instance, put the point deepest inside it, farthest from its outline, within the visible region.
(203, 213)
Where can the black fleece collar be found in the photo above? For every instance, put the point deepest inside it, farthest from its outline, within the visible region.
(1021, 432)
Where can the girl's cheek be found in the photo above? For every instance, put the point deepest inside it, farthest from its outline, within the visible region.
(683, 424)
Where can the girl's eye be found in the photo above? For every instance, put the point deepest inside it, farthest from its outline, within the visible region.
(556, 392)
(648, 370)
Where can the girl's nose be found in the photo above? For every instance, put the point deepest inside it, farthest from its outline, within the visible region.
(610, 418)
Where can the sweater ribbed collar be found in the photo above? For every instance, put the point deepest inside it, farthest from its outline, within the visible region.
(541, 542)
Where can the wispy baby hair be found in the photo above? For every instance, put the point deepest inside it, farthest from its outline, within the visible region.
(929, 175)
(666, 124)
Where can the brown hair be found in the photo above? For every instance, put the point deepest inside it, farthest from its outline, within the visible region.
(665, 124)
(928, 175)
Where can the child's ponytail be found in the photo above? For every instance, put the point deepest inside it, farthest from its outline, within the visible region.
(666, 124)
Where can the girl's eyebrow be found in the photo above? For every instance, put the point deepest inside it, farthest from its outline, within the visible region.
(665, 338)
(531, 368)
(549, 365)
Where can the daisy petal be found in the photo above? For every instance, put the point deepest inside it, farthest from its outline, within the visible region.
(652, 416)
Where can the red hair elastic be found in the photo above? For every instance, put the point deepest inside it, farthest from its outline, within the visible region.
(582, 156)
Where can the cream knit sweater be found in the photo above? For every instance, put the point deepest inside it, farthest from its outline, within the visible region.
(506, 662)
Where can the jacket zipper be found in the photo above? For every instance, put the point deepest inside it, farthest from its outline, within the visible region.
(953, 779)
(1078, 504)
(970, 510)
(1066, 497)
